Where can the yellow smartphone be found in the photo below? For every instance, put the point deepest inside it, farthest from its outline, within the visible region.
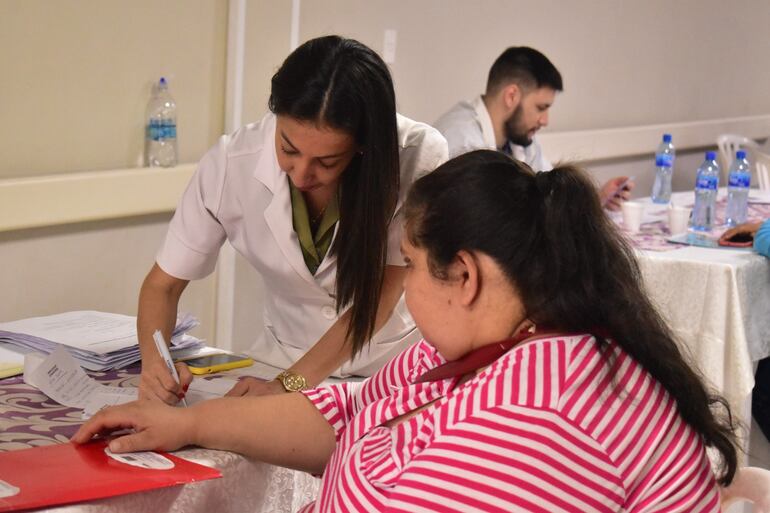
(217, 363)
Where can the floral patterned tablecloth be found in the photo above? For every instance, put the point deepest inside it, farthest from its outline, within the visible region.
(653, 234)
(29, 419)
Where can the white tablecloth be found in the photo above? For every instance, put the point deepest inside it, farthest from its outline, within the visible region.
(718, 303)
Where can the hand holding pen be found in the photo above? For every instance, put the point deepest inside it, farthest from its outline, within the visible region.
(160, 343)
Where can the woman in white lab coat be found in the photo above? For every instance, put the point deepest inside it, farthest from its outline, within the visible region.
(310, 196)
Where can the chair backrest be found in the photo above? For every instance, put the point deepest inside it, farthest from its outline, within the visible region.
(728, 144)
(751, 484)
(762, 166)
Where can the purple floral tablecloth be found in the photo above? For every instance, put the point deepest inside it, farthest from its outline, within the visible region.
(652, 236)
(28, 418)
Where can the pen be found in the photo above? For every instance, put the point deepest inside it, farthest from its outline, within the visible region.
(160, 343)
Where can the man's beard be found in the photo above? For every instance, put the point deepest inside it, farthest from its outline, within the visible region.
(514, 131)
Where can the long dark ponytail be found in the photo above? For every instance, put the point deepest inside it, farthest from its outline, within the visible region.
(346, 85)
(573, 270)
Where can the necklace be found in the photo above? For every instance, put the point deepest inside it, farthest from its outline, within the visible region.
(314, 220)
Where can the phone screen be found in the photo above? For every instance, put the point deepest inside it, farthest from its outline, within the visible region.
(212, 360)
(741, 237)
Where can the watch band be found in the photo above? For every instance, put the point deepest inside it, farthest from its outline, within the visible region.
(292, 381)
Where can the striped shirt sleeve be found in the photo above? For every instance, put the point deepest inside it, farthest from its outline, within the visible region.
(340, 402)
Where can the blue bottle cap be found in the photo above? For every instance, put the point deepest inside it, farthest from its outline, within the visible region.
(711, 155)
(162, 81)
(740, 154)
(666, 138)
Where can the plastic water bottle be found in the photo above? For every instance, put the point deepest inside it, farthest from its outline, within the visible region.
(738, 189)
(706, 185)
(160, 133)
(664, 167)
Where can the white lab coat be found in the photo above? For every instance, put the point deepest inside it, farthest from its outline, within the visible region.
(240, 194)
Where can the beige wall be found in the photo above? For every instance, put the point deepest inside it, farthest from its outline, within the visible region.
(88, 266)
(624, 63)
(76, 77)
(268, 26)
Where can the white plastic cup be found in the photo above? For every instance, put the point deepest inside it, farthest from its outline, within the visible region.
(678, 219)
(632, 215)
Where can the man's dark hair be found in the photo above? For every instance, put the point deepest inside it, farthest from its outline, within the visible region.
(526, 67)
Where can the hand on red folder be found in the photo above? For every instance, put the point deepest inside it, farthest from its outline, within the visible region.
(57, 474)
(148, 419)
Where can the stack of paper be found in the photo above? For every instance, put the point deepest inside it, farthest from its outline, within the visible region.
(99, 341)
(11, 362)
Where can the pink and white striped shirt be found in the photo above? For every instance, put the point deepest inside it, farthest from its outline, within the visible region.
(553, 425)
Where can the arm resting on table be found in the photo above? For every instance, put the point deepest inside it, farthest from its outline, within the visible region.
(285, 430)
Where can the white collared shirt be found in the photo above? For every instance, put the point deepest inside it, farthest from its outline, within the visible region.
(240, 194)
(467, 127)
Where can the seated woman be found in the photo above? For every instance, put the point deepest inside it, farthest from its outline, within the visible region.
(546, 380)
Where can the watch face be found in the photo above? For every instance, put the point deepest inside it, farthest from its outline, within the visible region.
(293, 382)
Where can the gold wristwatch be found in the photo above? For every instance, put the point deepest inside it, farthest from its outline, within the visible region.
(292, 381)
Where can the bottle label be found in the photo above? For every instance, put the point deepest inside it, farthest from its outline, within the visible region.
(664, 160)
(160, 130)
(154, 130)
(169, 130)
(739, 180)
(707, 182)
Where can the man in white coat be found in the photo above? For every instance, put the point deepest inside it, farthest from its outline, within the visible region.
(521, 88)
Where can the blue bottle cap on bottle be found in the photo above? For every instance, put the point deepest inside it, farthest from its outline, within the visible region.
(711, 155)
(666, 138)
(740, 154)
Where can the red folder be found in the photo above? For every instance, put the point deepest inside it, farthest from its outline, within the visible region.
(67, 473)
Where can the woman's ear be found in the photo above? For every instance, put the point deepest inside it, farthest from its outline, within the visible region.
(466, 270)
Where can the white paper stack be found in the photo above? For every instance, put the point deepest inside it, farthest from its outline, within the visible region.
(98, 341)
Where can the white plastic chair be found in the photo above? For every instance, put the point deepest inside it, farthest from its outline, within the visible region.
(728, 144)
(762, 165)
(751, 484)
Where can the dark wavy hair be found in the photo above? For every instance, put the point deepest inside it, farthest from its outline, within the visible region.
(346, 85)
(571, 267)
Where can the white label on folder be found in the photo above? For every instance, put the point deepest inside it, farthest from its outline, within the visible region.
(143, 459)
(7, 490)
